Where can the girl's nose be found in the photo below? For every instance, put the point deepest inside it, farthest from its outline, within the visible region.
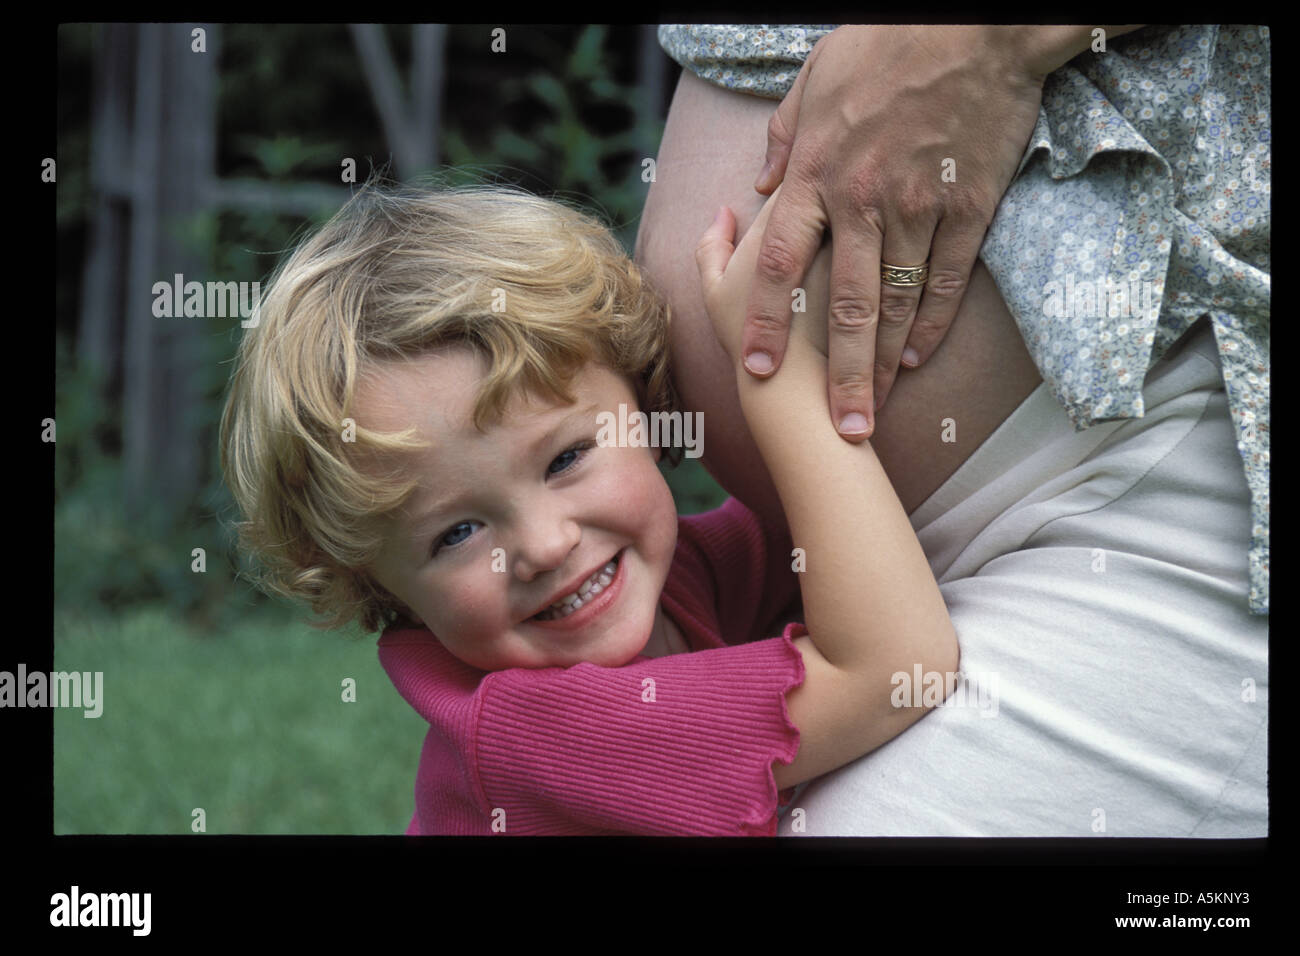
(543, 544)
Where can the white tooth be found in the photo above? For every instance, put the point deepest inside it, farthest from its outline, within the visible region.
(588, 590)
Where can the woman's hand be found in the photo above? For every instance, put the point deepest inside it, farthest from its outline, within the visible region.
(902, 140)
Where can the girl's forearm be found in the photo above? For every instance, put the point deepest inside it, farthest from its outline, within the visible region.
(871, 604)
(870, 600)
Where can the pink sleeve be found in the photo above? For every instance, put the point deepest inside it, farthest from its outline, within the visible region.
(678, 745)
(740, 567)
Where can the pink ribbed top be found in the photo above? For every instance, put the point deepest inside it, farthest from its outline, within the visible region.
(583, 751)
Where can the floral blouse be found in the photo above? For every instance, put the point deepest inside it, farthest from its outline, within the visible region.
(1141, 205)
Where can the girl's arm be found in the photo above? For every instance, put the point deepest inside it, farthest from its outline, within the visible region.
(871, 604)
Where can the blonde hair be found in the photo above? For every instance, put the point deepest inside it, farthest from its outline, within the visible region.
(537, 288)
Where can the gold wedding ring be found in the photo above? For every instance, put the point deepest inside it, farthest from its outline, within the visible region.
(904, 276)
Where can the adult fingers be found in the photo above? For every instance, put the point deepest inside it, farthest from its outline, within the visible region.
(956, 246)
(790, 241)
(907, 244)
(780, 134)
(853, 316)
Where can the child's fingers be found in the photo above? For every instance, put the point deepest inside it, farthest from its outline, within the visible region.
(715, 248)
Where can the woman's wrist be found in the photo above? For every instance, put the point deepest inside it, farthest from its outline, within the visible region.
(1041, 49)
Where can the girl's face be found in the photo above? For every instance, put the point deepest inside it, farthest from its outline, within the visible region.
(507, 522)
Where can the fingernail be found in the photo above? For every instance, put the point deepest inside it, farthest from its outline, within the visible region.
(854, 423)
(762, 177)
(910, 357)
(760, 363)
(716, 216)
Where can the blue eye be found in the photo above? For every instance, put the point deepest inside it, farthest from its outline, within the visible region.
(456, 535)
(567, 459)
(564, 460)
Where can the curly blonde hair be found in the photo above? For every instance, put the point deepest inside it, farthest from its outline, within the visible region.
(536, 287)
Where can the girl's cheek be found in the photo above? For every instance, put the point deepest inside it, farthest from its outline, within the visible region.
(454, 600)
(478, 595)
(643, 490)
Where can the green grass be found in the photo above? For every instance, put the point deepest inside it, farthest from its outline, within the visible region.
(249, 725)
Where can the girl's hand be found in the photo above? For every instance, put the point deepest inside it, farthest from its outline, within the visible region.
(727, 275)
(724, 295)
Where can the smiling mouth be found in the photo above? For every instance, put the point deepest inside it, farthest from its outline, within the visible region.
(587, 592)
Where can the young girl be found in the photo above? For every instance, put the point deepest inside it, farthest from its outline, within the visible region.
(413, 435)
